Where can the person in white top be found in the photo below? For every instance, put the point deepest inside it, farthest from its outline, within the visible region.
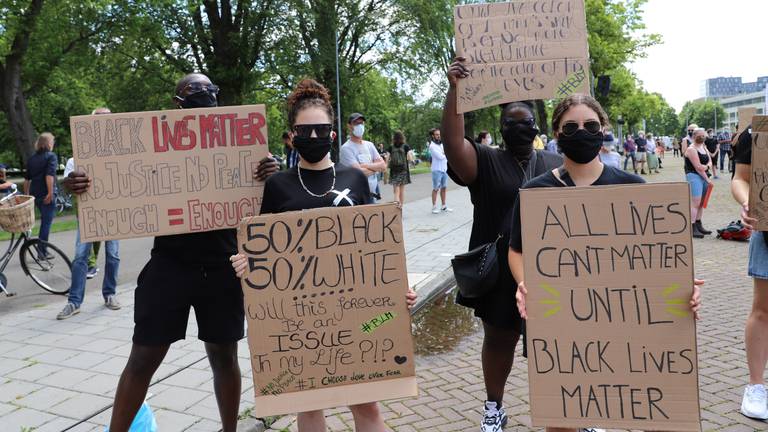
(439, 171)
(361, 154)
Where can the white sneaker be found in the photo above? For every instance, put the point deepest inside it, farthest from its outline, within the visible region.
(435, 210)
(446, 209)
(755, 402)
(494, 418)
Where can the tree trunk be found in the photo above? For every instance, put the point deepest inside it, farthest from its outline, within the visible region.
(12, 99)
(14, 105)
(541, 113)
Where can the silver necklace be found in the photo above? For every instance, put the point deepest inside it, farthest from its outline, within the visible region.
(333, 185)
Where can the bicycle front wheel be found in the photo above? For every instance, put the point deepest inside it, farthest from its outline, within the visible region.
(52, 272)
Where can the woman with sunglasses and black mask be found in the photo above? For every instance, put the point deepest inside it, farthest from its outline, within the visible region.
(493, 177)
(316, 182)
(578, 122)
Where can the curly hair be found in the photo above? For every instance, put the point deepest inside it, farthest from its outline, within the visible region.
(308, 93)
(578, 99)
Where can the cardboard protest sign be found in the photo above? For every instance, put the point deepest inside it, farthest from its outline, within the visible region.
(325, 303)
(529, 49)
(758, 187)
(168, 172)
(745, 117)
(610, 336)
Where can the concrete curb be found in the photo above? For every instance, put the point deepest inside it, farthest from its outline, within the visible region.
(433, 287)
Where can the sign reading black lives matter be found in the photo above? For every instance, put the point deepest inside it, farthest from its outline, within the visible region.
(521, 50)
(611, 338)
(328, 324)
(168, 172)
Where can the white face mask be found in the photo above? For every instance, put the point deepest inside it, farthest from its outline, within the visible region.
(358, 130)
(490, 140)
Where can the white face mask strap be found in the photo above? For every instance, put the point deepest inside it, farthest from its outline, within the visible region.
(343, 195)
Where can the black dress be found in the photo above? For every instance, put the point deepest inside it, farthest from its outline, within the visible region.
(493, 194)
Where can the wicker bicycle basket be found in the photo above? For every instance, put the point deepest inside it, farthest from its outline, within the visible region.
(17, 213)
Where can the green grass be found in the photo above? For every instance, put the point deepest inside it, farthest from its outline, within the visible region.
(422, 168)
(58, 226)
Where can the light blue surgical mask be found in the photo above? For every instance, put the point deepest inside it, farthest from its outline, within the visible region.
(358, 130)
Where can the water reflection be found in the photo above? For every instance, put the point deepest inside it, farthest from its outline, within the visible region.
(442, 325)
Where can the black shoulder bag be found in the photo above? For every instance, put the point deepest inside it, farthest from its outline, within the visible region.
(477, 271)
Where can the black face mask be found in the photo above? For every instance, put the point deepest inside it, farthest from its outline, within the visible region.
(690, 134)
(201, 99)
(581, 147)
(312, 150)
(519, 139)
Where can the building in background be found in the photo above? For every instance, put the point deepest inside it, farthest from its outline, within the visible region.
(732, 104)
(724, 87)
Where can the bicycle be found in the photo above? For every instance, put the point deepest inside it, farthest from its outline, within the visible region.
(63, 202)
(52, 272)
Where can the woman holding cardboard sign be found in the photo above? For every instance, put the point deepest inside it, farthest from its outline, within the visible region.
(755, 401)
(578, 122)
(493, 177)
(314, 183)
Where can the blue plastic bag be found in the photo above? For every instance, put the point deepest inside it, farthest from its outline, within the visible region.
(144, 420)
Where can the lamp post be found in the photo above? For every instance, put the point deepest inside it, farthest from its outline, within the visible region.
(338, 97)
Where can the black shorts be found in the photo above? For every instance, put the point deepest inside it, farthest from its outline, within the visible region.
(167, 288)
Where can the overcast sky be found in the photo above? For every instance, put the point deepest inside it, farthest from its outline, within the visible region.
(702, 39)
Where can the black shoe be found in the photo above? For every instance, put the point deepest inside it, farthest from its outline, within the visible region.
(643, 172)
(701, 228)
(695, 231)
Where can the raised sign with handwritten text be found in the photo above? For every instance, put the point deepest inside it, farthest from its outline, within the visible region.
(529, 49)
(325, 303)
(611, 339)
(168, 172)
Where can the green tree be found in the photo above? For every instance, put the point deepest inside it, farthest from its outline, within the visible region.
(703, 113)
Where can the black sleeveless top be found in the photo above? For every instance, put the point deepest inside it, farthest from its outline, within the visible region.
(703, 159)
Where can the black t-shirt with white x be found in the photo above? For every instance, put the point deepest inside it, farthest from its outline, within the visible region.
(283, 191)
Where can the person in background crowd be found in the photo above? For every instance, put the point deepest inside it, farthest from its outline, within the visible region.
(578, 121)
(538, 144)
(630, 150)
(552, 146)
(660, 151)
(361, 154)
(688, 138)
(608, 156)
(185, 271)
(316, 183)
(724, 139)
(697, 172)
(6, 187)
(291, 156)
(40, 181)
(384, 175)
(650, 150)
(754, 403)
(545, 140)
(439, 172)
(484, 138)
(400, 158)
(676, 147)
(641, 154)
(713, 147)
(82, 266)
(493, 177)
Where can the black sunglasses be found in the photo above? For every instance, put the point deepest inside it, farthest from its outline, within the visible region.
(530, 121)
(197, 87)
(592, 127)
(322, 130)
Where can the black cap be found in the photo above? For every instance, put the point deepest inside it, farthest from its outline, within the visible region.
(355, 116)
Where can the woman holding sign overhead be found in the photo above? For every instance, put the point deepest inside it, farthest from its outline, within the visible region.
(493, 177)
(578, 122)
(316, 182)
(755, 401)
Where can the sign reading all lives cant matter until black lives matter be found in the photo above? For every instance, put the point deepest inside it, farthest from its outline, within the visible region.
(328, 324)
(521, 50)
(168, 172)
(611, 338)
(758, 189)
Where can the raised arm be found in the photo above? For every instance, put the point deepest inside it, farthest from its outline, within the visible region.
(461, 155)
